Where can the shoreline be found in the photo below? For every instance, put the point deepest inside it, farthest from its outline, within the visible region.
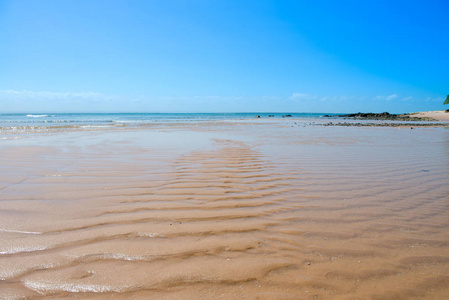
(438, 115)
(386, 124)
(417, 119)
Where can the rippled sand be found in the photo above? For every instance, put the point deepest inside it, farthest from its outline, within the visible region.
(252, 211)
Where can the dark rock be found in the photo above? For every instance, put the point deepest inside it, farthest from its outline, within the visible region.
(383, 116)
(287, 116)
(446, 111)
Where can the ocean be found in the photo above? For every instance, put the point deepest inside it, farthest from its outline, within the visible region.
(26, 122)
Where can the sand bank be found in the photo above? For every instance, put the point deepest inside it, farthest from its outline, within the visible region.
(241, 211)
(439, 115)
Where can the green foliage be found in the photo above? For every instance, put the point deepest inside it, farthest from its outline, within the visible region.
(447, 100)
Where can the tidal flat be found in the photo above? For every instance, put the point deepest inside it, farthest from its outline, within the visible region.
(231, 210)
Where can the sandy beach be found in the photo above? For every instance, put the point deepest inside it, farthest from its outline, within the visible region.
(224, 150)
(439, 115)
(255, 210)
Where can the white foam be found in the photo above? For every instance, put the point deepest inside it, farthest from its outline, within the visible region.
(95, 126)
(36, 116)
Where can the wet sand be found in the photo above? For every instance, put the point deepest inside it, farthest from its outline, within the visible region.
(262, 210)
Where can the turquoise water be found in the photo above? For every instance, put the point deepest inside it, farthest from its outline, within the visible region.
(49, 121)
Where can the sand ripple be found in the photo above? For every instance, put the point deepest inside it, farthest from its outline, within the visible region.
(274, 220)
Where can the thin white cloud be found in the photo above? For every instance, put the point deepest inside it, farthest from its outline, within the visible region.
(435, 99)
(391, 97)
(46, 95)
(322, 98)
(409, 98)
(304, 97)
(46, 101)
(386, 98)
(300, 96)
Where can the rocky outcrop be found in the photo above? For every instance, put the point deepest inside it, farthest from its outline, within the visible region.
(383, 116)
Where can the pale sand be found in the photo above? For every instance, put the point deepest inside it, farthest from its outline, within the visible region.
(439, 115)
(255, 211)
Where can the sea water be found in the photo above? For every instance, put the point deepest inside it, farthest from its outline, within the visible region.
(46, 122)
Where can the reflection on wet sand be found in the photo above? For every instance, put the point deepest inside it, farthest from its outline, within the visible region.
(310, 216)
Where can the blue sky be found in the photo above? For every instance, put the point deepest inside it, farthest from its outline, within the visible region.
(223, 56)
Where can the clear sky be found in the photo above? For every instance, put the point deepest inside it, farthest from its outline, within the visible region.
(223, 55)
